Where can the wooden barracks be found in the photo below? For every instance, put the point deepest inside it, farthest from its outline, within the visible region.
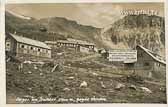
(18, 45)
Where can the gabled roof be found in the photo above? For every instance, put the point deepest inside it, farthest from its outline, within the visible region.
(121, 50)
(65, 41)
(155, 56)
(29, 41)
(75, 41)
(50, 42)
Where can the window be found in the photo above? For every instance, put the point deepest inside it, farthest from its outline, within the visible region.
(31, 48)
(140, 55)
(22, 46)
(39, 49)
(146, 64)
(7, 44)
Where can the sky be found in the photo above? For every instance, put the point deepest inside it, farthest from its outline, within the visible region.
(94, 14)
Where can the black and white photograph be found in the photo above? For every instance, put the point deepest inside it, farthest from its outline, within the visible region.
(85, 53)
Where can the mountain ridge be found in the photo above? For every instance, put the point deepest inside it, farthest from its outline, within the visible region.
(127, 32)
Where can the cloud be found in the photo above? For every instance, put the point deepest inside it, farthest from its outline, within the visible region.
(100, 14)
(95, 14)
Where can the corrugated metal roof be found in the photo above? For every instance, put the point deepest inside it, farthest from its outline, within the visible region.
(29, 41)
(153, 55)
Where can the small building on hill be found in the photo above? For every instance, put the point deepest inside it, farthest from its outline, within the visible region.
(141, 61)
(18, 45)
(150, 64)
(75, 44)
(79, 45)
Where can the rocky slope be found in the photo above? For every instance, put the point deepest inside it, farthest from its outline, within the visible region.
(136, 30)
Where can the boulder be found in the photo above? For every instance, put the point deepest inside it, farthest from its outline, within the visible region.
(119, 86)
(102, 84)
(66, 89)
(83, 84)
(35, 67)
(29, 72)
(146, 90)
(133, 87)
(30, 89)
(95, 74)
(41, 74)
(71, 78)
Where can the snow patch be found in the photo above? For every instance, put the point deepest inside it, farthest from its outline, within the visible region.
(20, 16)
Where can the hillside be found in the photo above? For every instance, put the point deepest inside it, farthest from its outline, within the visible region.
(28, 28)
(104, 82)
(56, 28)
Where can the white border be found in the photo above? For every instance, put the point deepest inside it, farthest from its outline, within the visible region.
(2, 53)
(166, 44)
(77, 1)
